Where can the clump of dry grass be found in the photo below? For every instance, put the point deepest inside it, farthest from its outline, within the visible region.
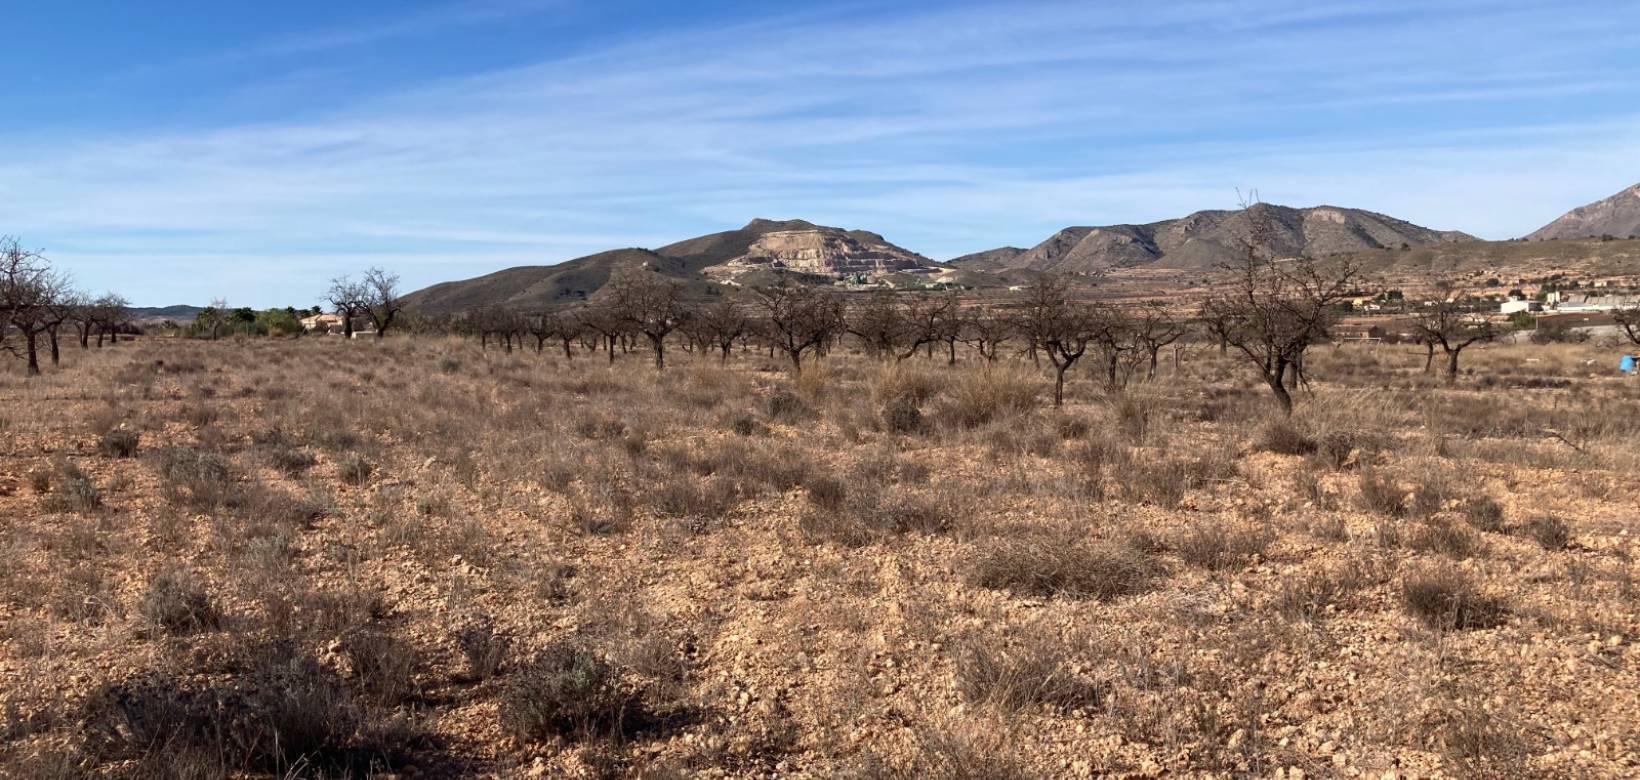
(1217, 545)
(177, 602)
(1033, 672)
(1063, 563)
(1551, 533)
(567, 691)
(1445, 598)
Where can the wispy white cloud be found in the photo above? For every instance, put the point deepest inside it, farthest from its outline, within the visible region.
(948, 130)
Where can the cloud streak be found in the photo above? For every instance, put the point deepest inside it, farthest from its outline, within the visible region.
(949, 130)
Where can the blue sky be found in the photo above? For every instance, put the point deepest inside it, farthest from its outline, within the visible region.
(182, 150)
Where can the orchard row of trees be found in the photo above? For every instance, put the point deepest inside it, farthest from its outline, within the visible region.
(1272, 317)
(39, 303)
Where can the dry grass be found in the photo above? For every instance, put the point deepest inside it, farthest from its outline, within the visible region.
(476, 563)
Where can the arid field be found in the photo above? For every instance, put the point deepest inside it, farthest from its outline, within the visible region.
(417, 558)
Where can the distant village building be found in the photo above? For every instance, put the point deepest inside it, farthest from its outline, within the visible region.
(321, 322)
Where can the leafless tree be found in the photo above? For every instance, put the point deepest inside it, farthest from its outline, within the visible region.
(647, 302)
(348, 299)
(381, 299)
(60, 310)
(1272, 310)
(215, 317)
(929, 320)
(797, 319)
(1445, 324)
(1052, 323)
(1155, 328)
(108, 314)
(607, 325)
(985, 330)
(718, 325)
(1629, 321)
(28, 290)
(879, 322)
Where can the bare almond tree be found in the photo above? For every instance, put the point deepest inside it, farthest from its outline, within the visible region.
(646, 302)
(381, 299)
(1051, 323)
(1445, 324)
(879, 322)
(28, 290)
(348, 299)
(986, 331)
(719, 325)
(1629, 321)
(1155, 328)
(797, 320)
(1272, 310)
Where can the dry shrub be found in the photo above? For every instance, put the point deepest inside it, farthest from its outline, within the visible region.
(601, 506)
(1284, 438)
(1093, 461)
(1449, 539)
(1339, 449)
(869, 513)
(119, 443)
(354, 469)
(483, 650)
(1063, 563)
(1034, 673)
(1380, 494)
(697, 503)
(1214, 546)
(992, 393)
(1549, 532)
(1445, 598)
(383, 666)
(569, 692)
(197, 479)
(1484, 514)
(281, 713)
(177, 603)
(1166, 482)
(73, 491)
(786, 407)
(1133, 415)
(1315, 594)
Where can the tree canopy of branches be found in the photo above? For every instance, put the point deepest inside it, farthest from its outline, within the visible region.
(1629, 321)
(718, 325)
(30, 294)
(1272, 310)
(797, 319)
(646, 302)
(986, 331)
(348, 300)
(1444, 324)
(1154, 328)
(381, 299)
(1052, 323)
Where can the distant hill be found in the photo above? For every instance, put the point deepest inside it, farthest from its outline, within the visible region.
(1617, 216)
(746, 253)
(1506, 259)
(177, 314)
(1207, 238)
(989, 260)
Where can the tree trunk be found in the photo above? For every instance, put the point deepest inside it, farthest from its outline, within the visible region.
(1452, 366)
(347, 325)
(1277, 381)
(1429, 357)
(610, 348)
(1059, 384)
(31, 338)
(56, 355)
(85, 335)
(727, 345)
(1151, 374)
(951, 358)
(660, 351)
(567, 355)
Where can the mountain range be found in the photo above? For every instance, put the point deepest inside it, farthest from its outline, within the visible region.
(1617, 216)
(752, 254)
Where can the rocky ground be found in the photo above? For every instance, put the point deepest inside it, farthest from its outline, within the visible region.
(414, 558)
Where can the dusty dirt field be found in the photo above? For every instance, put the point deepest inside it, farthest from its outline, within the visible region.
(414, 558)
